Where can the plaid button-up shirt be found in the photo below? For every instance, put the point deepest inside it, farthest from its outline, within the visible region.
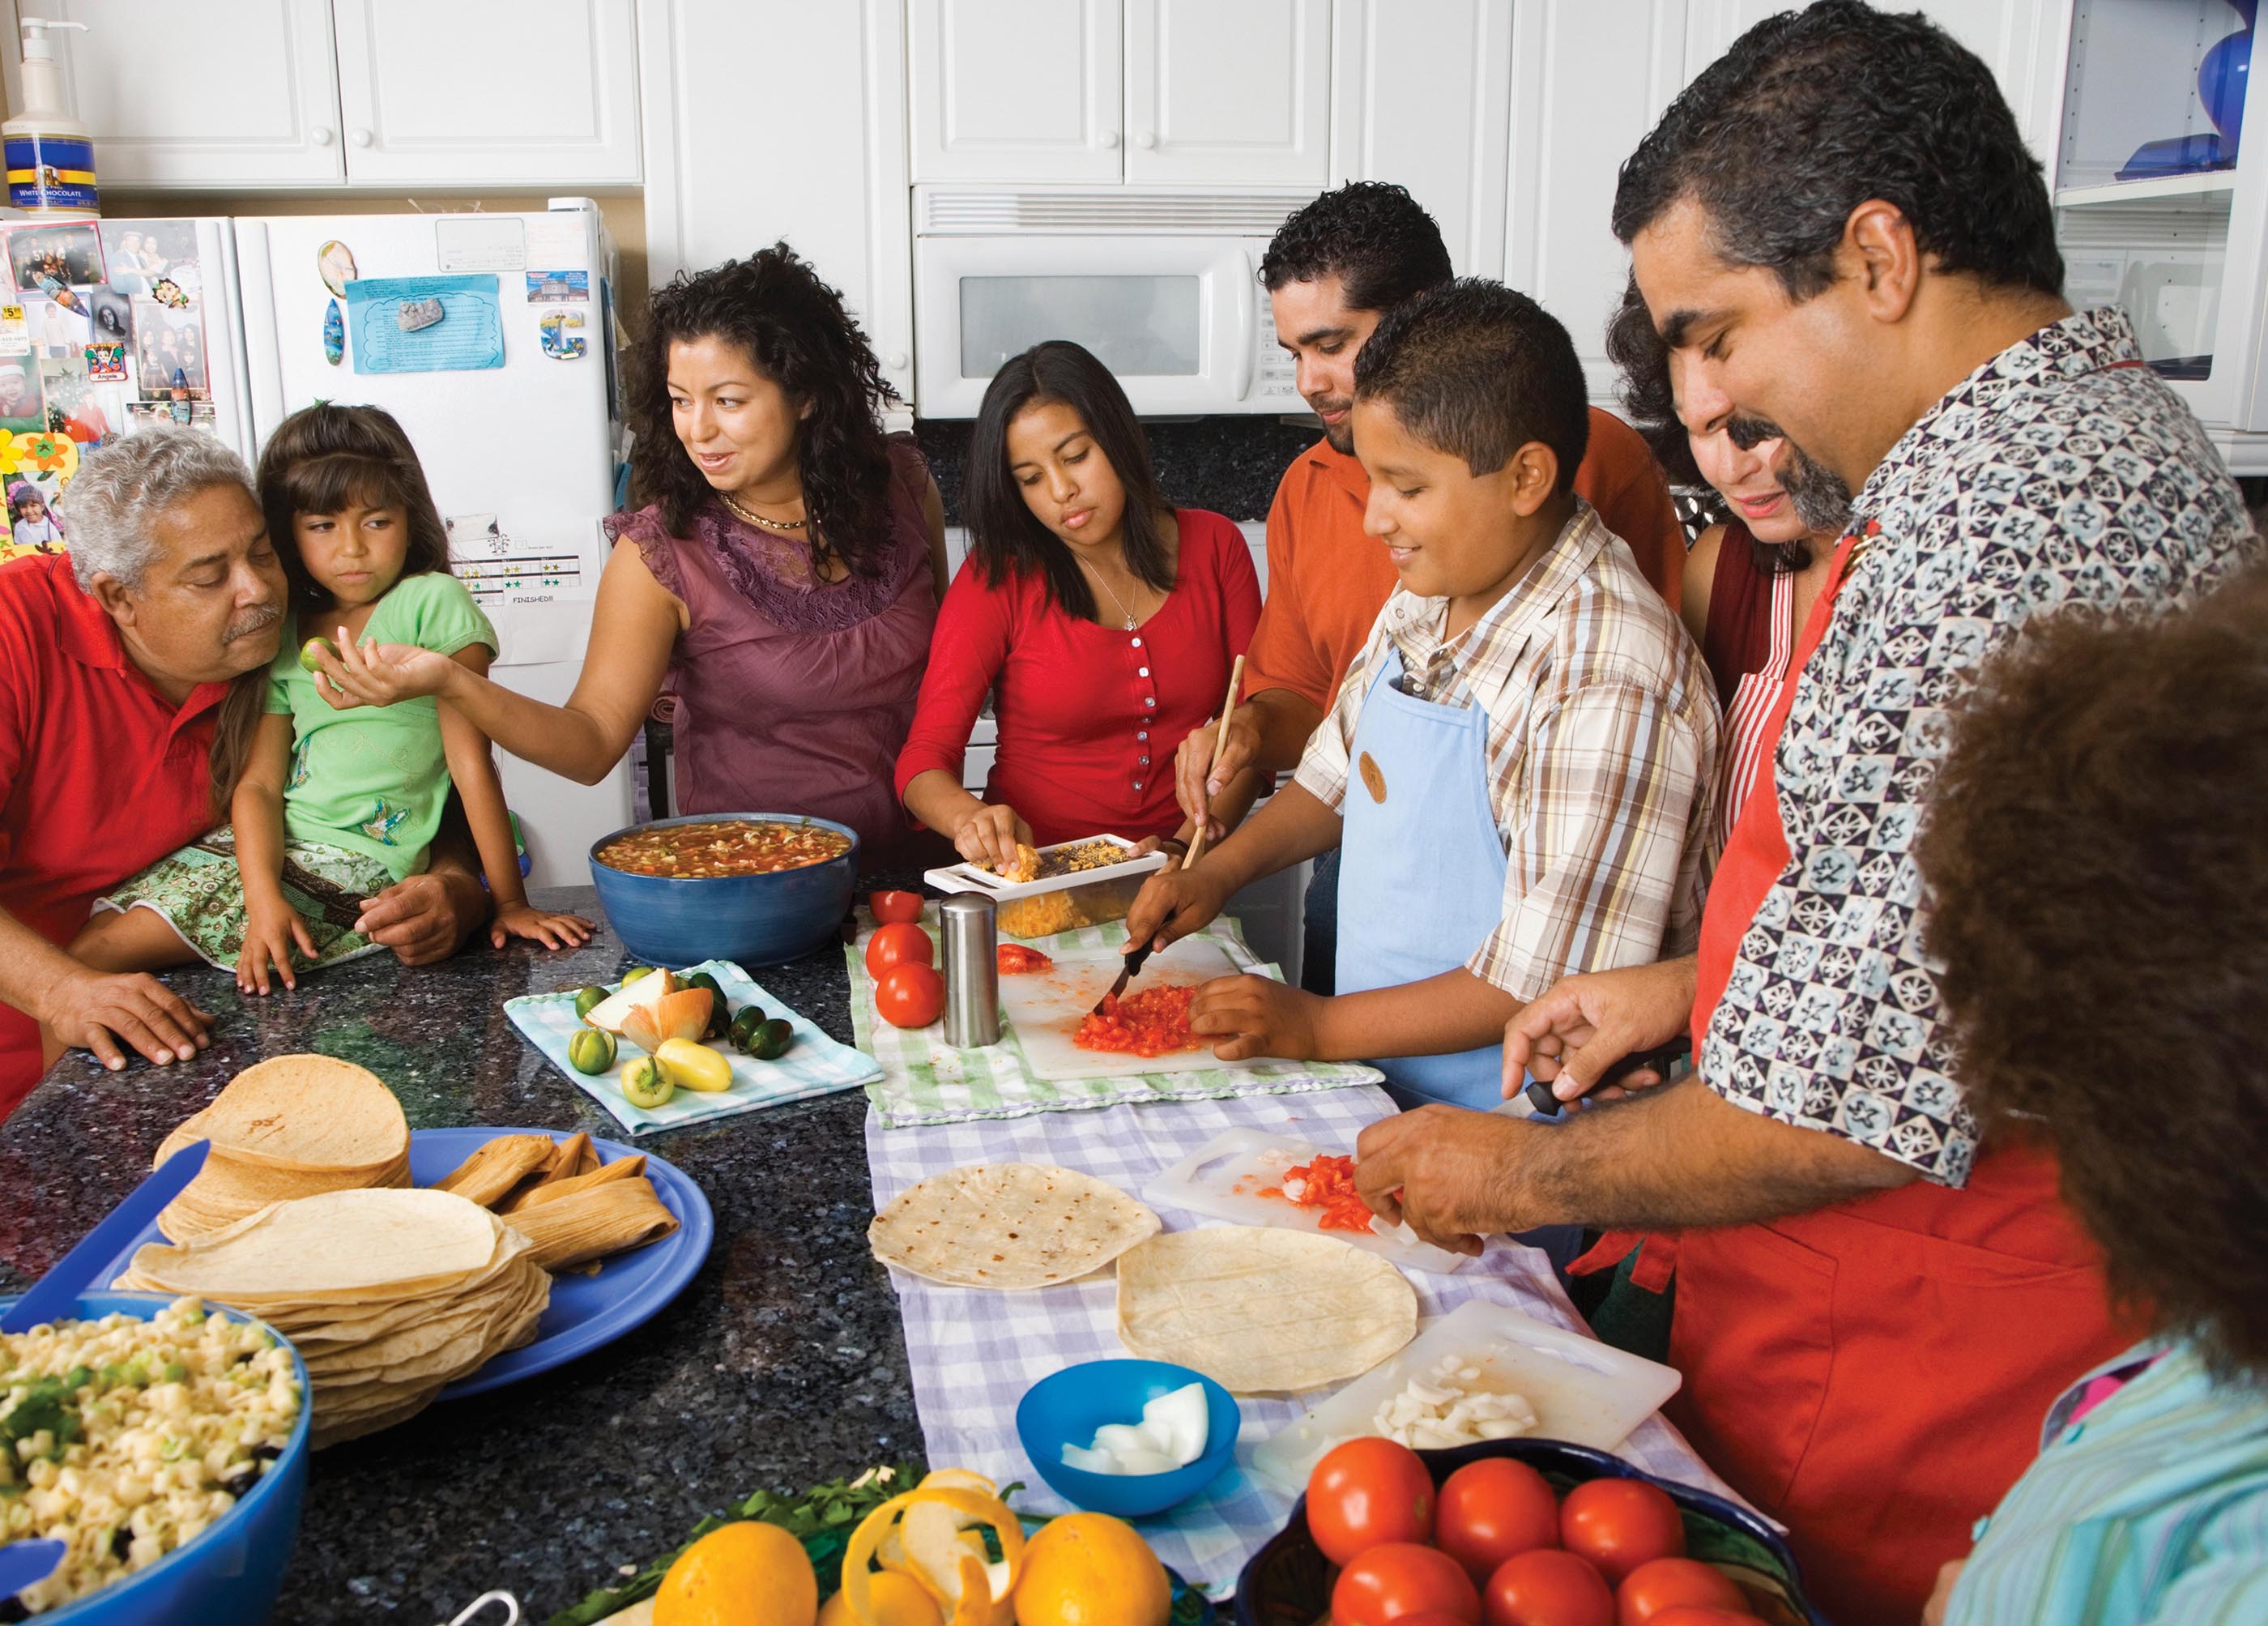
(1601, 751)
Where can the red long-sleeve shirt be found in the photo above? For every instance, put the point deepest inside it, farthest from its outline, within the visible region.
(1088, 715)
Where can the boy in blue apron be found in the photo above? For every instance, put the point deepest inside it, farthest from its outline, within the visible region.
(1520, 764)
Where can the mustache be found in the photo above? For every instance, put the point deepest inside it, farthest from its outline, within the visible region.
(255, 620)
(1822, 498)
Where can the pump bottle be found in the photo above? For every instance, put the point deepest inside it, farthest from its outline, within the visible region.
(50, 158)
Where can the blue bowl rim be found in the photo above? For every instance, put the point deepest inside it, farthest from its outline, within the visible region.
(113, 1302)
(1603, 1464)
(1218, 1452)
(850, 857)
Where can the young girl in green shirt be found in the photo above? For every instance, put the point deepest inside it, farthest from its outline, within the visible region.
(331, 807)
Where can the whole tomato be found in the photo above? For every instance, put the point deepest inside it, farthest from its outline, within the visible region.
(1701, 1614)
(910, 995)
(898, 942)
(1365, 1492)
(1661, 1585)
(894, 908)
(1544, 1586)
(1619, 1523)
(1491, 1509)
(1397, 1579)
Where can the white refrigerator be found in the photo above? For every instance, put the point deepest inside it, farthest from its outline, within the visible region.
(490, 337)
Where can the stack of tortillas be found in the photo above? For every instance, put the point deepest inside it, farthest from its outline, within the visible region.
(288, 1127)
(389, 1294)
(1261, 1310)
(1008, 1225)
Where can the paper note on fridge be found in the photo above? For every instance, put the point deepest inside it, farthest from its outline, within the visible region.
(394, 328)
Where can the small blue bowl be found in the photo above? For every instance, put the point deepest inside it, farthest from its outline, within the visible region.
(756, 919)
(233, 1568)
(1068, 1408)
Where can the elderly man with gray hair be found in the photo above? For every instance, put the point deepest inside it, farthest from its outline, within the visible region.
(115, 661)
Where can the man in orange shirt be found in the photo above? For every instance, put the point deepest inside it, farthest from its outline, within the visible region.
(1333, 270)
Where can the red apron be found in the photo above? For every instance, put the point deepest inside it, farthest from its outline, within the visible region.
(1873, 1374)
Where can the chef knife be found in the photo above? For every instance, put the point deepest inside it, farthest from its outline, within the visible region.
(53, 1295)
(1660, 1059)
(1125, 975)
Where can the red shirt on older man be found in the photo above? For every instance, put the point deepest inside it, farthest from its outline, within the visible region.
(99, 773)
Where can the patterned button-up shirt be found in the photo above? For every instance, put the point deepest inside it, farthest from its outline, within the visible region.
(2061, 472)
(1601, 754)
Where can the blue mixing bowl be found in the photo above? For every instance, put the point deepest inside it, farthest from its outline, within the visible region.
(1068, 1408)
(232, 1569)
(754, 920)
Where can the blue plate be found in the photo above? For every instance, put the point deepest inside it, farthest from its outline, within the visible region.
(586, 1313)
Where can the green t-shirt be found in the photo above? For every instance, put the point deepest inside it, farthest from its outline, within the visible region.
(374, 780)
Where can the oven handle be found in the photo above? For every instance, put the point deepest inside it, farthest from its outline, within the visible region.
(1242, 305)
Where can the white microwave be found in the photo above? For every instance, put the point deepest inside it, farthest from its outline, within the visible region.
(1163, 287)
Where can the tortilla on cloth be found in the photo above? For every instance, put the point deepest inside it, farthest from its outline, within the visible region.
(1260, 1309)
(1008, 1226)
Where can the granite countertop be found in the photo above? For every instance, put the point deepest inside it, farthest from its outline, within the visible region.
(781, 1365)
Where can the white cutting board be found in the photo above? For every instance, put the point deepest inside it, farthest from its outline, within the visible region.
(1584, 1391)
(1224, 1178)
(1045, 1009)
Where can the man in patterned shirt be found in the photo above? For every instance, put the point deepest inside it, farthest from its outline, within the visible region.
(1838, 226)
(1520, 758)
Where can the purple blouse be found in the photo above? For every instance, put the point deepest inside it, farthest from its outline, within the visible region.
(794, 696)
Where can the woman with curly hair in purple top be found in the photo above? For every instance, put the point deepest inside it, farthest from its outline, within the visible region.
(782, 576)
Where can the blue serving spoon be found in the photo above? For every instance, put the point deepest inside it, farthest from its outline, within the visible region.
(53, 1295)
(24, 1563)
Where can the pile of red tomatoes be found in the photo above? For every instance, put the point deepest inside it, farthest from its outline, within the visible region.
(1495, 1546)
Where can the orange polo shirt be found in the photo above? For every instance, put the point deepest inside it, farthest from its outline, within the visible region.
(99, 774)
(1327, 582)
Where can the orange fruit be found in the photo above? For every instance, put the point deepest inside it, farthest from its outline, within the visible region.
(1090, 1569)
(896, 1600)
(747, 1573)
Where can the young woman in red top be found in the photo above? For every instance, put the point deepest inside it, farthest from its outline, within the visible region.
(1102, 619)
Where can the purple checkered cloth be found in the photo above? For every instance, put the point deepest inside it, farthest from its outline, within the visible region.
(974, 1353)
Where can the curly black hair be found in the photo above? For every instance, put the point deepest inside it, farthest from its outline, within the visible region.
(1478, 370)
(796, 330)
(1372, 235)
(1811, 114)
(1005, 535)
(2096, 852)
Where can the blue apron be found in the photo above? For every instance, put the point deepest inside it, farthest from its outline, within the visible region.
(1421, 879)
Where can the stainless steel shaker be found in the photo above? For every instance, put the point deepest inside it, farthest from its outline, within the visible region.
(972, 971)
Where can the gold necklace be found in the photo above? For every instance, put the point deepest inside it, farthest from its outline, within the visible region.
(758, 519)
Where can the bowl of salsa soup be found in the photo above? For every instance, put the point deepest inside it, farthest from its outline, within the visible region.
(753, 888)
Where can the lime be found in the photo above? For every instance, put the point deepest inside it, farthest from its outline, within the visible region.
(308, 661)
(589, 1000)
(591, 1050)
(635, 973)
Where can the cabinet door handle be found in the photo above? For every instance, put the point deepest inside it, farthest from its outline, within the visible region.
(1145, 140)
(361, 137)
(897, 361)
(322, 134)
(1110, 138)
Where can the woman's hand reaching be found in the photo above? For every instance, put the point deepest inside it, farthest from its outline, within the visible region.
(374, 673)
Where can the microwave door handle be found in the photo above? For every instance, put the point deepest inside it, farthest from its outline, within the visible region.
(1243, 308)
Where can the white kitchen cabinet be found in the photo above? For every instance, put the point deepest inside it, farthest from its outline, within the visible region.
(225, 94)
(2008, 34)
(503, 92)
(197, 92)
(1016, 90)
(1429, 107)
(1237, 93)
(1588, 82)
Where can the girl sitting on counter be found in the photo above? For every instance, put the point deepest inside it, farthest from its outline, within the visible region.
(1103, 620)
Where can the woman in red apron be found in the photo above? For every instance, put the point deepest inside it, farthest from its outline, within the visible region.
(1871, 1373)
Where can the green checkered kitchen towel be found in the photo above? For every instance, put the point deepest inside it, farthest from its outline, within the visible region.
(813, 1064)
(925, 1080)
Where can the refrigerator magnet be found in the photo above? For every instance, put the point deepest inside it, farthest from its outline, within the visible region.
(335, 334)
(105, 362)
(336, 264)
(562, 333)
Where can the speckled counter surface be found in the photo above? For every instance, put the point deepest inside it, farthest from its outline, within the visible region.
(782, 1364)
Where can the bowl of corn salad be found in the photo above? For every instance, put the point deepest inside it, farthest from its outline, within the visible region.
(164, 1444)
